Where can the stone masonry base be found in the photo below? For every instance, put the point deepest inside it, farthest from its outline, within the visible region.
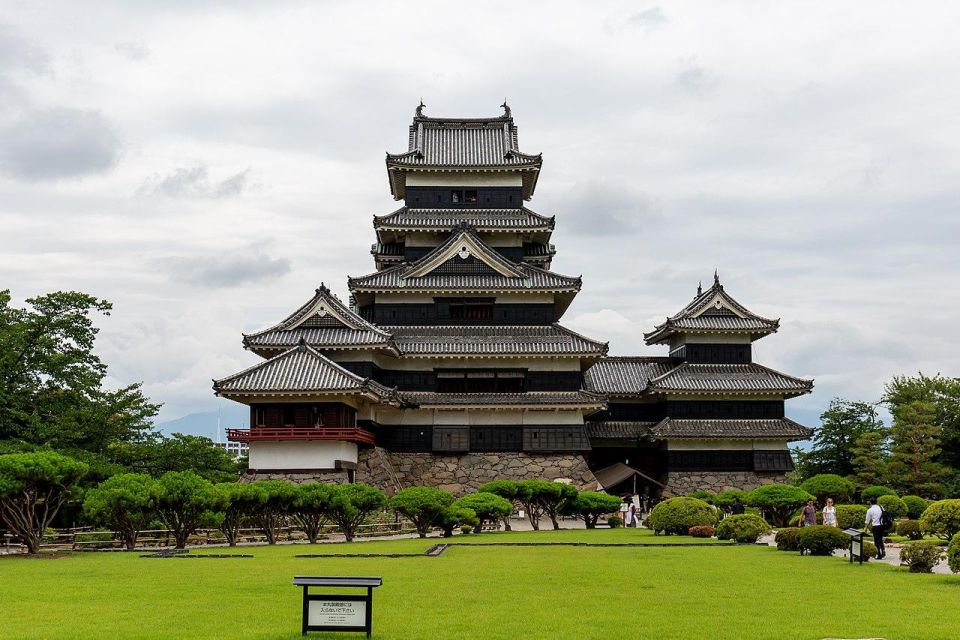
(682, 483)
(458, 474)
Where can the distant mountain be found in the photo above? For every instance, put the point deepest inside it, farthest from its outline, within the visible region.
(205, 424)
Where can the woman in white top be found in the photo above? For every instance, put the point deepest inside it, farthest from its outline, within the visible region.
(830, 514)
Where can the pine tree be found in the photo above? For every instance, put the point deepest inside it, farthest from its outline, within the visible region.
(871, 456)
(915, 447)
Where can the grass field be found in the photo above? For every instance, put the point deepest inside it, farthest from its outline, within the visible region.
(678, 592)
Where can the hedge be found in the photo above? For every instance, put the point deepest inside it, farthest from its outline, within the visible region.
(677, 515)
(909, 529)
(942, 518)
(820, 540)
(851, 516)
(953, 554)
(788, 539)
(742, 528)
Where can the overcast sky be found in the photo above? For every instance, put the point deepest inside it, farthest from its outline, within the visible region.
(205, 168)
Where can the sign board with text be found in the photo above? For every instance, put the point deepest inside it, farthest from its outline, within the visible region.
(337, 612)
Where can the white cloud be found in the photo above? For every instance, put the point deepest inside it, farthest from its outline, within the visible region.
(811, 156)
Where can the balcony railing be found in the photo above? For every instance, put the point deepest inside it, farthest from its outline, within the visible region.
(349, 434)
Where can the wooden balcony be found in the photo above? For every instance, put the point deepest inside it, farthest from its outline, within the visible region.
(254, 434)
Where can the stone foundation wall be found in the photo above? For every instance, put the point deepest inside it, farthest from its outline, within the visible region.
(682, 483)
(333, 477)
(461, 474)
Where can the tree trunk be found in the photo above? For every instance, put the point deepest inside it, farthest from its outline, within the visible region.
(506, 524)
(180, 536)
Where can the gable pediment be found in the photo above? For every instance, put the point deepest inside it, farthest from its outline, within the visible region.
(463, 248)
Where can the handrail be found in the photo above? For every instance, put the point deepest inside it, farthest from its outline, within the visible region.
(351, 434)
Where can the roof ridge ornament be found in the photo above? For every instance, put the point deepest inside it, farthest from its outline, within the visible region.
(700, 288)
(419, 112)
(716, 278)
(506, 109)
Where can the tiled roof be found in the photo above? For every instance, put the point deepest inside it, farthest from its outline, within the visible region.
(300, 370)
(572, 399)
(616, 430)
(408, 219)
(673, 429)
(494, 340)
(618, 375)
(713, 311)
(728, 378)
(463, 142)
(509, 276)
(323, 322)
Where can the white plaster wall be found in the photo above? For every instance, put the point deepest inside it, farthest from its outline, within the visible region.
(464, 179)
(314, 454)
(727, 445)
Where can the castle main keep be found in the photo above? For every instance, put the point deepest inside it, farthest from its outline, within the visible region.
(449, 365)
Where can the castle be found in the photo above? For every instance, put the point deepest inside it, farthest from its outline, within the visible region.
(448, 366)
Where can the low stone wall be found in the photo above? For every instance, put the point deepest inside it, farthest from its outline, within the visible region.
(333, 477)
(461, 474)
(682, 483)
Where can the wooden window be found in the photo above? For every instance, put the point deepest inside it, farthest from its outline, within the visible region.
(470, 196)
(480, 381)
(456, 196)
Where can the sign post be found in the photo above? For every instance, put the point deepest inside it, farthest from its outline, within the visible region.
(337, 612)
(856, 543)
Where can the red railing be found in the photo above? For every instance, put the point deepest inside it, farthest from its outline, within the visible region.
(349, 434)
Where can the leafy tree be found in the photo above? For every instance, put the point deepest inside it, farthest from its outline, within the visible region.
(158, 455)
(944, 394)
(778, 501)
(311, 508)
(725, 499)
(590, 505)
(33, 486)
(829, 485)
(124, 502)
(870, 457)
(422, 505)
(51, 391)
(487, 506)
(350, 504)
(841, 425)
(915, 448)
(543, 497)
(236, 501)
(183, 501)
(270, 512)
(509, 489)
(454, 516)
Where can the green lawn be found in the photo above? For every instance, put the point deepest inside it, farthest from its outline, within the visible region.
(682, 592)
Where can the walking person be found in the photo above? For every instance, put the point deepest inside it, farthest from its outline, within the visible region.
(634, 515)
(625, 513)
(809, 515)
(874, 523)
(830, 514)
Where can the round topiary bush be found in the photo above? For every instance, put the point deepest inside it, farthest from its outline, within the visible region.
(915, 506)
(942, 518)
(614, 522)
(702, 531)
(829, 485)
(819, 540)
(953, 554)
(677, 515)
(788, 539)
(909, 529)
(743, 528)
(703, 494)
(851, 516)
(875, 491)
(893, 505)
(869, 550)
(921, 556)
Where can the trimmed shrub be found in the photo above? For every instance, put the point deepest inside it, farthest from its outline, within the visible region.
(869, 550)
(703, 494)
(788, 539)
(351, 503)
(509, 489)
(851, 516)
(893, 505)
(590, 505)
(454, 516)
(421, 505)
(466, 529)
(942, 518)
(778, 501)
(701, 531)
(488, 507)
(909, 529)
(829, 485)
(124, 503)
(742, 528)
(818, 540)
(875, 491)
(921, 556)
(614, 522)
(677, 515)
(953, 554)
(915, 506)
